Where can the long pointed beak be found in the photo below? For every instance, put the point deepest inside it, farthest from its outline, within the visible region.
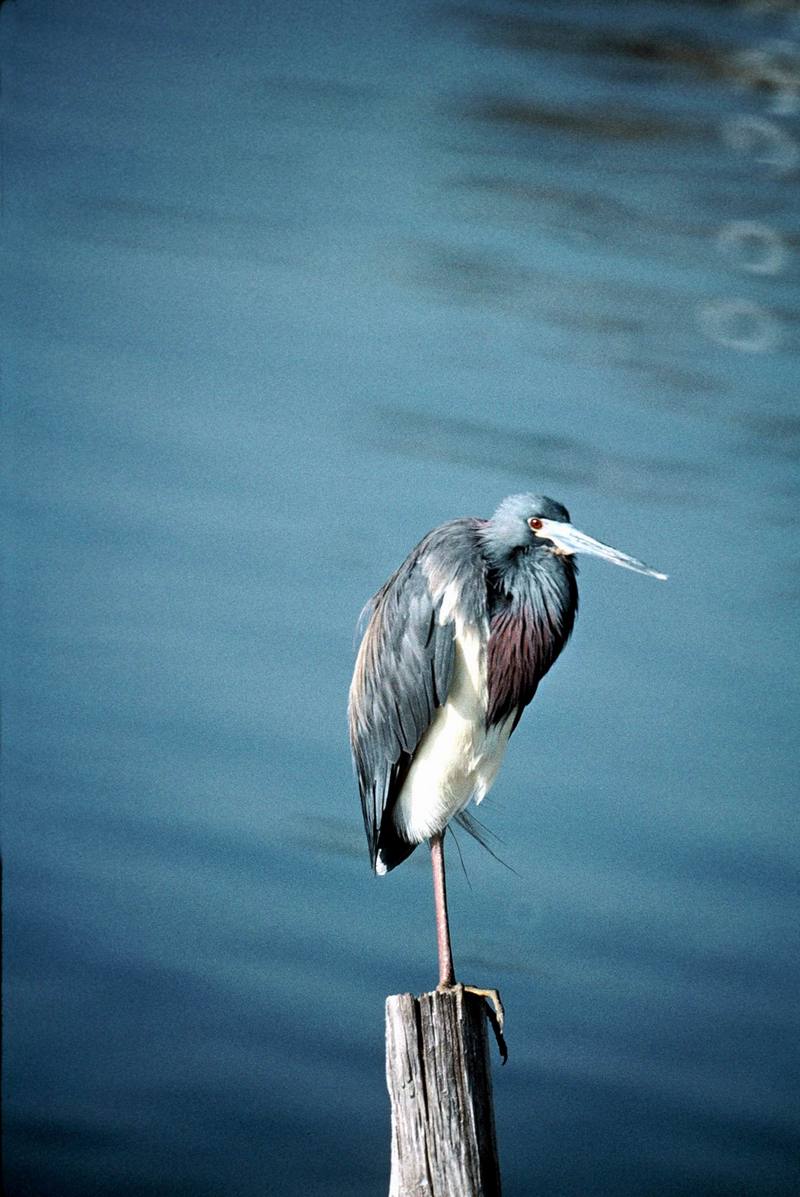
(569, 540)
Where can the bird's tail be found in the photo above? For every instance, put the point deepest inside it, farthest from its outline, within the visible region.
(392, 848)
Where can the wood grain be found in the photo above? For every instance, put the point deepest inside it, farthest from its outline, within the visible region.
(439, 1081)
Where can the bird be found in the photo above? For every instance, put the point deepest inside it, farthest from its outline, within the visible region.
(455, 645)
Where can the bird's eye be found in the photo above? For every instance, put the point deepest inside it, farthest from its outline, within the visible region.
(534, 524)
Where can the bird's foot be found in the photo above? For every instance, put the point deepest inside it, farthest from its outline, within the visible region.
(495, 1011)
(493, 996)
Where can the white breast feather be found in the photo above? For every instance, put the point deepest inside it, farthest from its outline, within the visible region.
(457, 759)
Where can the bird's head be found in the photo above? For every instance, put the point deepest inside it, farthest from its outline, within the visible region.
(541, 526)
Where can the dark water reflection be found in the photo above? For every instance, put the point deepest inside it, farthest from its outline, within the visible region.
(567, 460)
(284, 289)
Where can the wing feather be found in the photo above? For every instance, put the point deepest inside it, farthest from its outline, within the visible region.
(404, 669)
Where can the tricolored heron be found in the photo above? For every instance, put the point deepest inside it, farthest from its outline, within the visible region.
(457, 642)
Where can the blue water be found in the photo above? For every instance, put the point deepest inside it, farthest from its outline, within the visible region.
(284, 287)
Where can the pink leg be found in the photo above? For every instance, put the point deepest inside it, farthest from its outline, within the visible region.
(447, 976)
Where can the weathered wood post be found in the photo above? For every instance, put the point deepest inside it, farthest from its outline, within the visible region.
(437, 1072)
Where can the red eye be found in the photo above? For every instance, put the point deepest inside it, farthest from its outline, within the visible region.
(534, 524)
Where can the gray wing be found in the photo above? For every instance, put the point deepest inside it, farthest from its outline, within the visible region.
(404, 669)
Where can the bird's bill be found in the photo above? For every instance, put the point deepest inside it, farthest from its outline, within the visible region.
(569, 540)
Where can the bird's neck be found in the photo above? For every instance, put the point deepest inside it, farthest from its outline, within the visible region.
(538, 582)
(532, 605)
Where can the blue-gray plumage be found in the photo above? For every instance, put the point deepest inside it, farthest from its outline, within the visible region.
(456, 644)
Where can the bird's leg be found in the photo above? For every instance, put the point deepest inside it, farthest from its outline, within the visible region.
(447, 976)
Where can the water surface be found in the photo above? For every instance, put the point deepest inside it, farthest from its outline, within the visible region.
(284, 288)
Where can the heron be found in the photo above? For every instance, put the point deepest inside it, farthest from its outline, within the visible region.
(455, 645)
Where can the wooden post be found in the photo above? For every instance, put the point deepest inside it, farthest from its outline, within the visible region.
(437, 1072)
